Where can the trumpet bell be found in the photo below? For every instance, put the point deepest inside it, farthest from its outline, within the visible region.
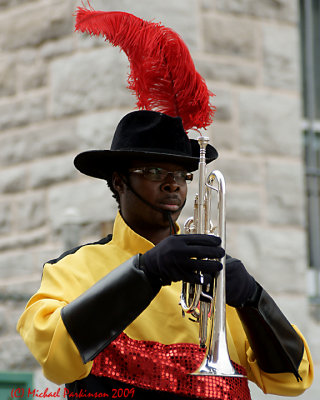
(218, 363)
(211, 368)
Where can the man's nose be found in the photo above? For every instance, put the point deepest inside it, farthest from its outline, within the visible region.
(170, 184)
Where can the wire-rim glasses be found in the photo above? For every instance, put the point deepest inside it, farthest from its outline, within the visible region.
(156, 174)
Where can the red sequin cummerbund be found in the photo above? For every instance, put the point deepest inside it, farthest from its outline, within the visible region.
(155, 366)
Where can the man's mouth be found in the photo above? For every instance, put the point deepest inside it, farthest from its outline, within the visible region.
(170, 204)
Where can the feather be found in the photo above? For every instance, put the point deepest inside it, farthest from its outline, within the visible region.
(162, 73)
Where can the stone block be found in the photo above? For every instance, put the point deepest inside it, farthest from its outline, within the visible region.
(285, 10)
(31, 76)
(230, 37)
(7, 76)
(241, 171)
(31, 69)
(231, 73)
(23, 240)
(15, 264)
(89, 81)
(30, 143)
(36, 23)
(285, 193)
(26, 55)
(207, 5)
(223, 101)
(95, 131)
(84, 41)
(91, 198)
(222, 134)
(45, 253)
(51, 171)
(178, 15)
(13, 180)
(23, 111)
(12, 312)
(243, 205)
(15, 355)
(30, 211)
(16, 292)
(13, 3)
(269, 124)
(281, 57)
(70, 230)
(289, 304)
(4, 3)
(5, 217)
(3, 321)
(57, 48)
(231, 238)
(276, 258)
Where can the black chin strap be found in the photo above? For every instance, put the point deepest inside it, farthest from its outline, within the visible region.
(167, 214)
(173, 228)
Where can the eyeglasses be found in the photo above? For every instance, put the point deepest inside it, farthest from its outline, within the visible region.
(156, 174)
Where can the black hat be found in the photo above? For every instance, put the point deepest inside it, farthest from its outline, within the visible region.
(144, 135)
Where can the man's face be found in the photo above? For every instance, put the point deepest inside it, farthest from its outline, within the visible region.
(166, 195)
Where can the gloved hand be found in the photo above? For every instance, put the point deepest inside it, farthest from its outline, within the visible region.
(240, 285)
(177, 257)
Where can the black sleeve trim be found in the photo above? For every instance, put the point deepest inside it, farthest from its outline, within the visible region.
(100, 314)
(277, 346)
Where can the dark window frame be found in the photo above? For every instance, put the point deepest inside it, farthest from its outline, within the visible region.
(310, 79)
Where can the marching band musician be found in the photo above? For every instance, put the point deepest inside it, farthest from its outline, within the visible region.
(107, 317)
(107, 314)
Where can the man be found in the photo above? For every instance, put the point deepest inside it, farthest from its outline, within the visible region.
(106, 319)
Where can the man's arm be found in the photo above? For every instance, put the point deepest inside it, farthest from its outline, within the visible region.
(100, 314)
(277, 346)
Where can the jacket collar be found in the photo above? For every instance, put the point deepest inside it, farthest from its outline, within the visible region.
(126, 238)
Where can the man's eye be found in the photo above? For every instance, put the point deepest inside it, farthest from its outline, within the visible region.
(155, 171)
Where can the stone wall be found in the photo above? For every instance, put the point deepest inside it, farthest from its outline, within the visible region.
(61, 93)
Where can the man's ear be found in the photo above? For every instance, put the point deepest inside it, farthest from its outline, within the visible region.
(117, 182)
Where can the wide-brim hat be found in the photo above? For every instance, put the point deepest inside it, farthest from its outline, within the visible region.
(146, 136)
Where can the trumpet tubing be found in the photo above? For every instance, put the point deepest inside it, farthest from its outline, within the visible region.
(207, 304)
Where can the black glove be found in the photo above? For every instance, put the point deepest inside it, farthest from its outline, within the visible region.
(178, 257)
(241, 287)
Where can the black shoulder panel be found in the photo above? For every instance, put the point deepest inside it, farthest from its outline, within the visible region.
(75, 249)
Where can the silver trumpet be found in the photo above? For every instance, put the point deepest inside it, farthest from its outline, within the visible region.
(206, 304)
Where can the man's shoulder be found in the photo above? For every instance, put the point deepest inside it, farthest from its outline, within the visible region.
(102, 241)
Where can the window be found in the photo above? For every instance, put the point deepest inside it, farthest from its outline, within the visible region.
(15, 385)
(310, 56)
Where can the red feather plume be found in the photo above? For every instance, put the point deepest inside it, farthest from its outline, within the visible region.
(162, 73)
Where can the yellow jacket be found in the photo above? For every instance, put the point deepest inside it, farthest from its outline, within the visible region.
(43, 330)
